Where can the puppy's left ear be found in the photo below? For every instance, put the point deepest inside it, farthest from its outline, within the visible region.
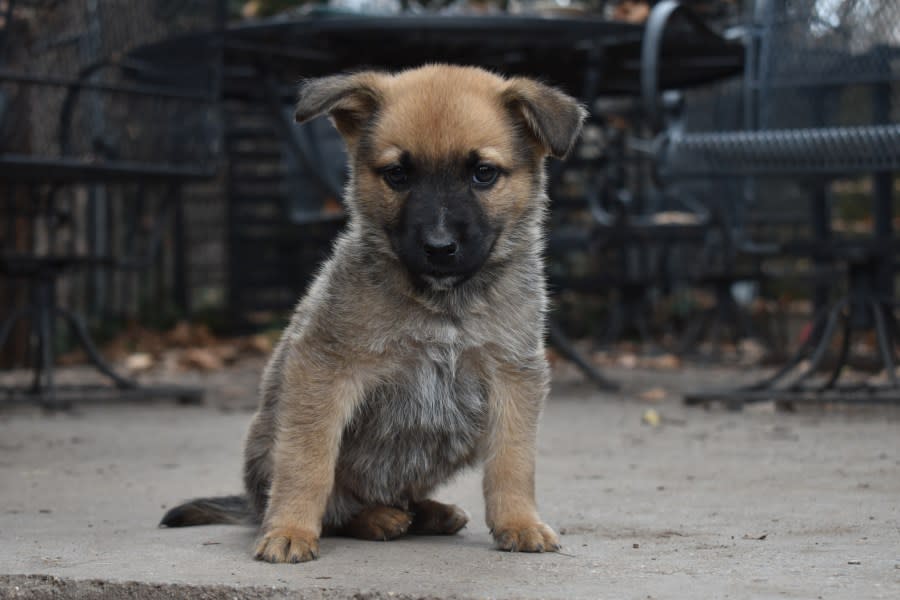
(552, 117)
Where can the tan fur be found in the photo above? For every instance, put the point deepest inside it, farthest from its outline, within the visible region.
(434, 116)
(379, 390)
(509, 466)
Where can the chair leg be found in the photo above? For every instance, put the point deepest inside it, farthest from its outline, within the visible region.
(37, 355)
(642, 327)
(615, 324)
(44, 324)
(842, 355)
(81, 333)
(885, 343)
(818, 354)
(697, 327)
(6, 328)
(559, 341)
(797, 358)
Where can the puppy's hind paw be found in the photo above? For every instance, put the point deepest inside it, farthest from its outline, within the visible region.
(526, 537)
(378, 523)
(287, 545)
(435, 518)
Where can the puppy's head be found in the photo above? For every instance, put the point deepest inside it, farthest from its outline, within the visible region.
(446, 162)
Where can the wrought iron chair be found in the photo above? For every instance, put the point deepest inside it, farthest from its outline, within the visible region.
(101, 128)
(631, 231)
(636, 227)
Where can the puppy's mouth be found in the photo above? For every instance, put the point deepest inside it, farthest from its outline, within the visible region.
(443, 283)
(442, 277)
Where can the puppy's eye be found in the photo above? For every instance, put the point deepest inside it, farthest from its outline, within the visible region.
(485, 175)
(395, 176)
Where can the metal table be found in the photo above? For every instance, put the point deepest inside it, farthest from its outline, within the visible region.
(586, 56)
(43, 271)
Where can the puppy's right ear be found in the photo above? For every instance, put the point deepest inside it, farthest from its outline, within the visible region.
(350, 100)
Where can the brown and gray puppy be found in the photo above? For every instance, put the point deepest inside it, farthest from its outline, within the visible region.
(418, 350)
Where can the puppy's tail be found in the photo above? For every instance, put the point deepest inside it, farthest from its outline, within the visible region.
(224, 510)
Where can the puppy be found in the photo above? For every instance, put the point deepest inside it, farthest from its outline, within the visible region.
(418, 350)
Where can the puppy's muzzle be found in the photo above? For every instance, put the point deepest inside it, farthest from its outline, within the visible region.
(443, 238)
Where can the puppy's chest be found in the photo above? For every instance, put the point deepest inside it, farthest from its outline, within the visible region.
(419, 425)
(435, 390)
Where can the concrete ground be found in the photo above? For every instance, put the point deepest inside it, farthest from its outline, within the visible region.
(708, 504)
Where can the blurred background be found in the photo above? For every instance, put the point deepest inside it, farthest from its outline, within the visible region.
(732, 199)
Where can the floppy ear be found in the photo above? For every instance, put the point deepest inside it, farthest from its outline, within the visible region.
(350, 100)
(552, 117)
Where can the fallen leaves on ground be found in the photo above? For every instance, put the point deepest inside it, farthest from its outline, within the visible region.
(633, 360)
(185, 347)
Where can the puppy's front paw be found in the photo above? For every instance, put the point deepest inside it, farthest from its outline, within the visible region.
(527, 536)
(287, 545)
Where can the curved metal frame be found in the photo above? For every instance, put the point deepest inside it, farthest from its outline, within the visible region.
(651, 52)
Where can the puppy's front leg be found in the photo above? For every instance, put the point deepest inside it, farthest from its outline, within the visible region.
(516, 400)
(312, 413)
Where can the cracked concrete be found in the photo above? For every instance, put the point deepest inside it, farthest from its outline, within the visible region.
(710, 504)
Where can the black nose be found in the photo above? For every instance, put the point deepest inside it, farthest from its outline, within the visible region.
(440, 248)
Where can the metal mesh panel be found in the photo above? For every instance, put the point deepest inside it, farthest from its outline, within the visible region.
(59, 38)
(828, 62)
(815, 42)
(77, 80)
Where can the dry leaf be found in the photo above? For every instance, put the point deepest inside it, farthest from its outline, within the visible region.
(259, 344)
(656, 394)
(675, 217)
(628, 361)
(180, 335)
(666, 361)
(227, 353)
(139, 362)
(202, 359)
(752, 352)
(651, 418)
